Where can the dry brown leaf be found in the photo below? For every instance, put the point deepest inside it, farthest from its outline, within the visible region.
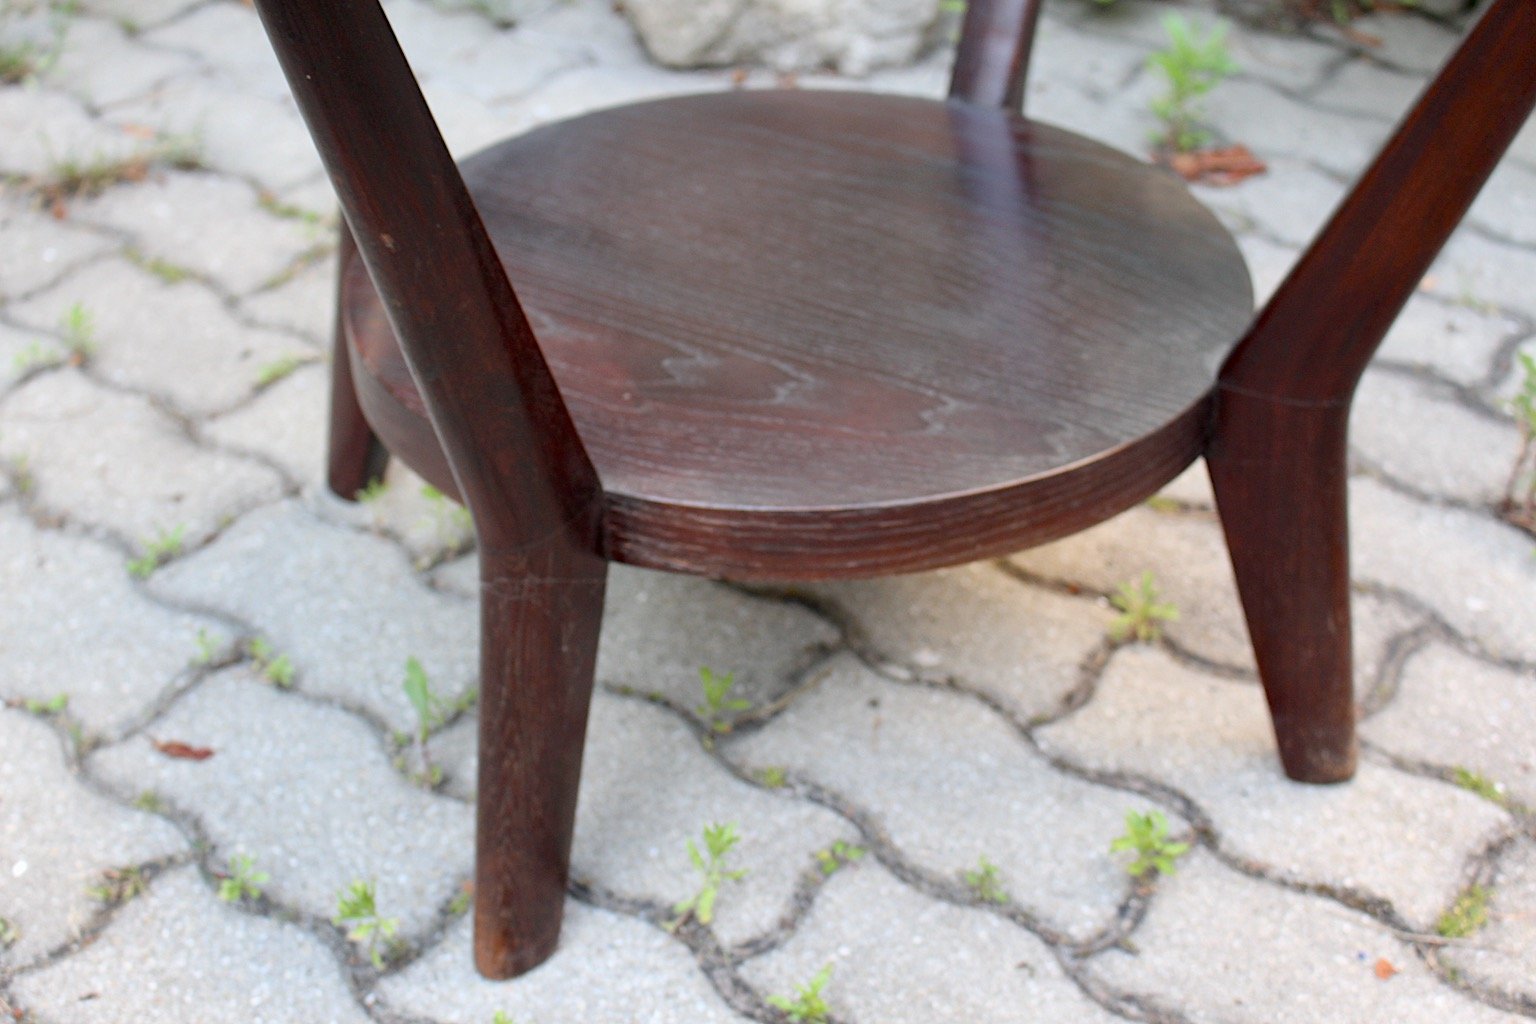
(1221, 167)
(182, 751)
(1385, 970)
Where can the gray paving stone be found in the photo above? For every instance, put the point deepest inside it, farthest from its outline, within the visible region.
(308, 792)
(1274, 125)
(1419, 436)
(114, 461)
(1289, 203)
(427, 523)
(1128, 127)
(140, 13)
(1268, 263)
(237, 132)
(1503, 954)
(100, 65)
(1018, 643)
(286, 423)
(648, 788)
(43, 129)
(193, 960)
(1458, 712)
(1221, 947)
(1091, 62)
(39, 249)
(1362, 86)
(204, 222)
(229, 38)
(1473, 571)
(1412, 44)
(1211, 740)
(58, 838)
(306, 304)
(1454, 342)
(952, 782)
(22, 351)
(900, 957)
(1290, 62)
(1475, 271)
(75, 624)
(173, 340)
(602, 34)
(1507, 205)
(607, 968)
(344, 606)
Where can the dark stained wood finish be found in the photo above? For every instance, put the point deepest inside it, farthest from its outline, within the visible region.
(1277, 454)
(355, 458)
(815, 335)
(992, 58)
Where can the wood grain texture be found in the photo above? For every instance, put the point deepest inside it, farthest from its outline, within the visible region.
(992, 58)
(785, 310)
(354, 456)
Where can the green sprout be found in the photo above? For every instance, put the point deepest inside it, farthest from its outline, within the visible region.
(243, 880)
(357, 910)
(807, 1006)
(985, 882)
(1467, 914)
(276, 668)
(119, 885)
(1140, 611)
(717, 704)
(1193, 64)
(840, 853)
(1522, 509)
(157, 550)
(719, 840)
(1146, 835)
(277, 369)
(52, 706)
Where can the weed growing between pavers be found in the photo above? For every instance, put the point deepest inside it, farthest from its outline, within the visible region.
(719, 840)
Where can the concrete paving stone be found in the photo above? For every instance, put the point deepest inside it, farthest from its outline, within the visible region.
(1289, 203)
(1273, 125)
(305, 790)
(1453, 341)
(1472, 570)
(23, 350)
(75, 624)
(1221, 947)
(193, 960)
(39, 249)
(1429, 441)
(1187, 557)
(1459, 712)
(1128, 127)
(174, 340)
(468, 123)
(1503, 954)
(434, 38)
(116, 462)
(1091, 62)
(599, 31)
(206, 223)
(648, 789)
(344, 606)
(141, 14)
(1507, 205)
(44, 129)
(1390, 834)
(951, 783)
(1475, 271)
(1411, 44)
(1135, 23)
(1293, 63)
(1019, 644)
(1362, 86)
(428, 524)
(312, 193)
(258, 136)
(101, 65)
(502, 65)
(286, 423)
(607, 968)
(1523, 149)
(1268, 263)
(58, 837)
(229, 38)
(900, 957)
(306, 304)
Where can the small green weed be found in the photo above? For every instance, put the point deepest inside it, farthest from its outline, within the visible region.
(78, 326)
(8, 934)
(717, 703)
(1521, 509)
(288, 211)
(165, 270)
(275, 668)
(1140, 611)
(502, 1017)
(52, 706)
(73, 176)
(119, 885)
(1468, 914)
(36, 357)
(276, 370)
(1193, 64)
(1146, 835)
(208, 647)
(149, 801)
(454, 525)
(985, 882)
(459, 905)
(807, 1005)
(371, 493)
(158, 550)
(243, 880)
(840, 853)
(719, 841)
(772, 776)
(1482, 785)
(431, 711)
(357, 910)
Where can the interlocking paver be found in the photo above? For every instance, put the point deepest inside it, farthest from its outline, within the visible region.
(286, 423)
(40, 249)
(141, 14)
(306, 790)
(193, 961)
(900, 957)
(75, 624)
(1222, 947)
(227, 37)
(1477, 271)
(1385, 833)
(1288, 204)
(345, 607)
(174, 338)
(1361, 86)
(306, 303)
(44, 129)
(59, 837)
(1503, 954)
(1456, 711)
(951, 782)
(1020, 644)
(1451, 341)
(22, 351)
(1507, 206)
(608, 968)
(113, 460)
(1272, 125)
(101, 65)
